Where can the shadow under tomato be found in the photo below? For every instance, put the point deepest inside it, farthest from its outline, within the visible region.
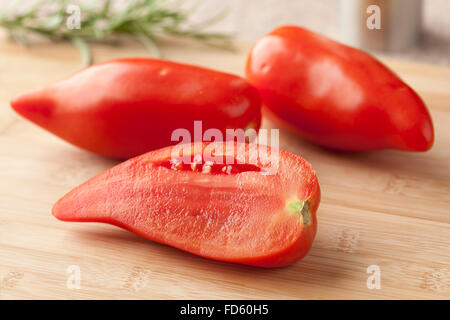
(249, 281)
(422, 164)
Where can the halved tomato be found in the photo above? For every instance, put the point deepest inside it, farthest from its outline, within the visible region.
(247, 204)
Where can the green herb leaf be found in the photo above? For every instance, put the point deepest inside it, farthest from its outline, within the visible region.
(144, 19)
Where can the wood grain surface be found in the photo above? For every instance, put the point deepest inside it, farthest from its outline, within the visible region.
(388, 208)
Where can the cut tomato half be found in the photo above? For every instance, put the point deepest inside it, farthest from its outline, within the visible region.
(246, 204)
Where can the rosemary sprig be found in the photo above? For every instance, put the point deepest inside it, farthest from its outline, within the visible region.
(144, 19)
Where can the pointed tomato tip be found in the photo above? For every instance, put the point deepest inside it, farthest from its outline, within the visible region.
(428, 133)
(18, 104)
(426, 140)
(419, 137)
(72, 209)
(34, 106)
(57, 211)
(63, 210)
(428, 144)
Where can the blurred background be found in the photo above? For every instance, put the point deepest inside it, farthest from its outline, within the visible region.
(250, 19)
(411, 29)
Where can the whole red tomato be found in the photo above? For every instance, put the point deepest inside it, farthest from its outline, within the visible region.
(336, 96)
(123, 108)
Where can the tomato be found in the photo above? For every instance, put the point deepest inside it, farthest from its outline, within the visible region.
(226, 208)
(336, 96)
(123, 108)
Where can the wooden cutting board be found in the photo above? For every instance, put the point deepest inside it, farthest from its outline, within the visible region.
(390, 208)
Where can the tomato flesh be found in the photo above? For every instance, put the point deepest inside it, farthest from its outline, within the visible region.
(208, 166)
(244, 217)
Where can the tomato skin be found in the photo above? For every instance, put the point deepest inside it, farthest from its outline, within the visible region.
(125, 107)
(336, 96)
(239, 218)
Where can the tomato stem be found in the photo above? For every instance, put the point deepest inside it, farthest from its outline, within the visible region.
(301, 207)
